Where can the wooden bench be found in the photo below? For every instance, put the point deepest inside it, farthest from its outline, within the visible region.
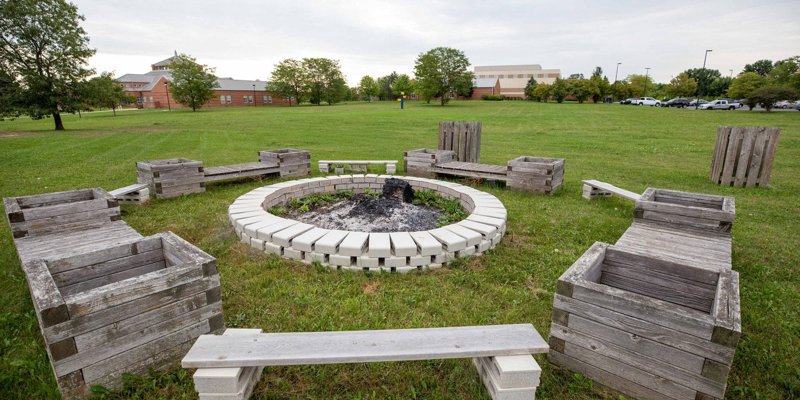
(213, 174)
(137, 193)
(593, 188)
(229, 365)
(358, 165)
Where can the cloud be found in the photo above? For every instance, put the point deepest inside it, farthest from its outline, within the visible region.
(244, 39)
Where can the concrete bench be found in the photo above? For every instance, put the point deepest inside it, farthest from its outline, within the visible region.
(137, 193)
(593, 188)
(358, 165)
(229, 365)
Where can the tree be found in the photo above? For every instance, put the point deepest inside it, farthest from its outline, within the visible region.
(402, 85)
(368, 88)
(385, 84)
(288, 80)
(192, 83)
(443, 72)
(323, 80)
(580, 89)
(9, 90)
(640, 84)
(766, 97)
(44, 50)
(559, 90)
(542, 92)
(704, 78)
(760, 67)
(719, 86)
(744, 85)
(621, 90)
(682, 86)
(786, 73)
(600, 85)
(104, 91)
(530, 88)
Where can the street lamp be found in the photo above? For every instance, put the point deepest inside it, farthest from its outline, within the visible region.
(697, 99)
(731, 73)
(646, 75)
(254, 95)
(616, 72)
(166, 88)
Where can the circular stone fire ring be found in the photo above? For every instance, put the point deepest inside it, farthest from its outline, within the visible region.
(363, 251)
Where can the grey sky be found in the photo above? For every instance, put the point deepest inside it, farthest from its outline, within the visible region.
(244, 39)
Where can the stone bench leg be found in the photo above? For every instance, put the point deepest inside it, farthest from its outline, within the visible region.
(362, 168)
(227, 383)
(324, 168)
(590, 191)
(391, 169)
(509, 377)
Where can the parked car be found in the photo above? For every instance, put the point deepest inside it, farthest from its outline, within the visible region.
(629, 100)
(696, 102)
(648, 101)
(677, 102)
(720, 105)
(783, 104)
(797, 106)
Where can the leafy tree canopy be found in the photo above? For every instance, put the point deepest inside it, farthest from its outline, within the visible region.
(192, 83)
(704, 78)
(768, 96)
(443, 72)
(682, 86)
(760, 67)
(288, 80)
(402, 85)
(44, 51)
(368, 88)
(324, 80)
(104, 91)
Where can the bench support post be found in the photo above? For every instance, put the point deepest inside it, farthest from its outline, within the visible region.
(590, 191)
(509, 377)
(228, 383)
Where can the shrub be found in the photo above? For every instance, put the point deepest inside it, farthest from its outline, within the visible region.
(767, 96)
(493, 97)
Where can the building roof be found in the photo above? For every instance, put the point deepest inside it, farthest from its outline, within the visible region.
(165, 62)
(150, 78)
(240, 84)
(484, 82)
(524, 67)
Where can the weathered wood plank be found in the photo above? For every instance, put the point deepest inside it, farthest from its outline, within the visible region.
(769, 156)
(363, 346)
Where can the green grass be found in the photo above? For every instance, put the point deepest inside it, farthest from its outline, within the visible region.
(632, 147)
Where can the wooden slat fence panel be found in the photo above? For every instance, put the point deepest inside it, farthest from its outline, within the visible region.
(743, 156)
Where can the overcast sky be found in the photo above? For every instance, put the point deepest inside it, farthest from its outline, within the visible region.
(244, 39)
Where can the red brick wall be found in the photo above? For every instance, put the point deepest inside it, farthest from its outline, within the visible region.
(157, 98)
(478, 92)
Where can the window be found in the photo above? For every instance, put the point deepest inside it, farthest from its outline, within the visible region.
(244, 100)
(151, 99)
(481, 76)
(268, 99)
(520, 75)
(228, 98)
(540, 75)
(252, 100)
(222, 99)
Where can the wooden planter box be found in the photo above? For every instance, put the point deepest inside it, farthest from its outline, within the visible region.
(535, 174)
(172, 177)
(420, 162)
(61, 211)
(292, 162)
(123, 309)
(743, 155)
(685, 209)
(650, 329)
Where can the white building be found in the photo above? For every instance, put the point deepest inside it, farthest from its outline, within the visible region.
(514, 78)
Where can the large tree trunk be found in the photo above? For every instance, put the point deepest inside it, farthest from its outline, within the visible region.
(57, 120)
(114, 110)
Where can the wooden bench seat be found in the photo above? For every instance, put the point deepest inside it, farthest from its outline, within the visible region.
(593, 188)
(501, 352)
(240, 170)
(358, 165)
(472, 170)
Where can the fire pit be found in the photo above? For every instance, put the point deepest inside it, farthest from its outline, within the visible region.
(375, 243)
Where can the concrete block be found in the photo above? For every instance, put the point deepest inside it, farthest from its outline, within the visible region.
(341, 261)
(354, 244)
(289, 252)
(379, 245)
(403, 244)
(426, 243)
(273, 248)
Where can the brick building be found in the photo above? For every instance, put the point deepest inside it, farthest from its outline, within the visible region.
(513, 78)
(484, 86)
(150, 90)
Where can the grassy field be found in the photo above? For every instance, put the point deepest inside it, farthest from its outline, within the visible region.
(632, 147)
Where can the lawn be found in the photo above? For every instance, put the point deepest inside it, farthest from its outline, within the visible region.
(632, 147)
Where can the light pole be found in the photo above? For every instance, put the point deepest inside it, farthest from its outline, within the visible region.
(616, 72)
(166, 88)
(697, 99)
(254, 95)
(731, 74)
(646, 76)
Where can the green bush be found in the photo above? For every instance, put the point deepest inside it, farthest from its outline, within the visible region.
(768, 96)
(493, 97)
